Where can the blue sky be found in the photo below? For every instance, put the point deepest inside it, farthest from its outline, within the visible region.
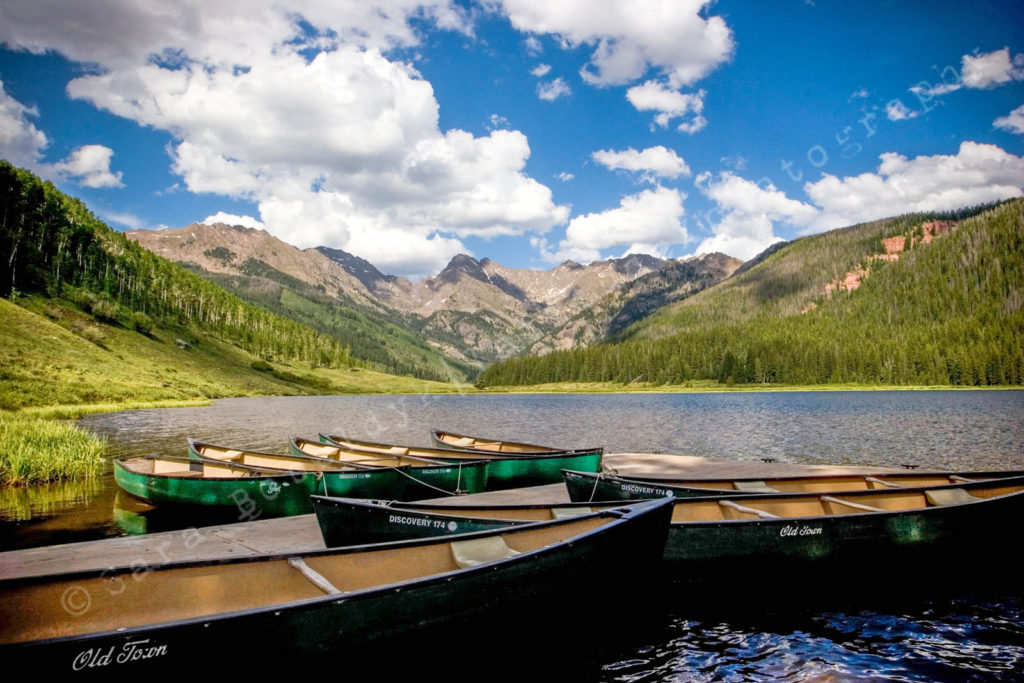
(527, 131)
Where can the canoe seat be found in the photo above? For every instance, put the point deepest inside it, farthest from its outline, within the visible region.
(480, 551)
(949, 497)
(566, 513)
(754, 486)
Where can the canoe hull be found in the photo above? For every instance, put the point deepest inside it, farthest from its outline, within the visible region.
(407, 483)
(404, 482)
(343, 523)
(504, 470)
(344, 624)
(253, 498)
(538, 470)
(871, 544)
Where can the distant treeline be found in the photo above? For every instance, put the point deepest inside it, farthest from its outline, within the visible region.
(51, 244)
(945, 313)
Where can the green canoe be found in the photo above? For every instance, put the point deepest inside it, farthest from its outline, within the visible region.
(253, 491)
(320, 608)
(504, 471)
(345, 521)
(884, 531)
(391, 476)
(587, 486)
(462, 442)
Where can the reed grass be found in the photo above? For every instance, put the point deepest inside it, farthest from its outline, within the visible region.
(35, 450)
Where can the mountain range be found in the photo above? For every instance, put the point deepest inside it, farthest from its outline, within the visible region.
(471, 313)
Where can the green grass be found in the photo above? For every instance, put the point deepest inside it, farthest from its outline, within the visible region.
(58, 363)
(57, 359)
(35, 450)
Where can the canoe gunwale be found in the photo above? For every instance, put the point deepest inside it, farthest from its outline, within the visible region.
(752, 499)
(488, 456)
(274, 473)
(750, 496)
(329, 466)
(636, 509)
(511, 454)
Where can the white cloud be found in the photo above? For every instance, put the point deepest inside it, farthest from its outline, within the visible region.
(541, 70)
(1013, 122)
(89, 166)
(564, 176)
(552, 90)
(21, 143)
(649, 221)
(983, 71)
(233, 219)
(991, 69)
(631, 36)
(897, 111)
(670, 104)
(977, 174)
(651, 163)
(301, 112)
(743, 223)
(533, 46)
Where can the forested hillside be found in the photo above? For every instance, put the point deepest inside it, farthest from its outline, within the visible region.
(839, 307)
(51, 244)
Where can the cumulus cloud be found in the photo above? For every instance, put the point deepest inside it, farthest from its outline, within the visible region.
(670, 104)
(976, 174)
(1013, 122)
(631, 36)
(300, 111)
(650, 164)
(541, 70)
(648, 222)
(746, 213)
(552, 90)
(233, 219)
(21, 142)
(89, 166)
(983, 71)
(991, 69)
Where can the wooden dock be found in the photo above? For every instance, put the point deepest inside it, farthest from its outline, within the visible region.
(291, 534)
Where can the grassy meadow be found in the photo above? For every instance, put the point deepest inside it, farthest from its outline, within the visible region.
(58, 363)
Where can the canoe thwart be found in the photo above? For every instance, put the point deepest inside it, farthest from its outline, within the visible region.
(883, 482)
(566, 513)
(316, 578)
(479, 551)
(850, 504)
(950, 497)
(750, 511)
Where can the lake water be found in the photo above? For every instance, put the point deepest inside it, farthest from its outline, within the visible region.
(964, 634)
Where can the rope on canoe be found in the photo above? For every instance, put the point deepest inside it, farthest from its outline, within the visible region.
(423, 483)
(597, 480)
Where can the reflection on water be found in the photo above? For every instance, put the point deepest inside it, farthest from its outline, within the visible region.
(22, 503)
(955, 638)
